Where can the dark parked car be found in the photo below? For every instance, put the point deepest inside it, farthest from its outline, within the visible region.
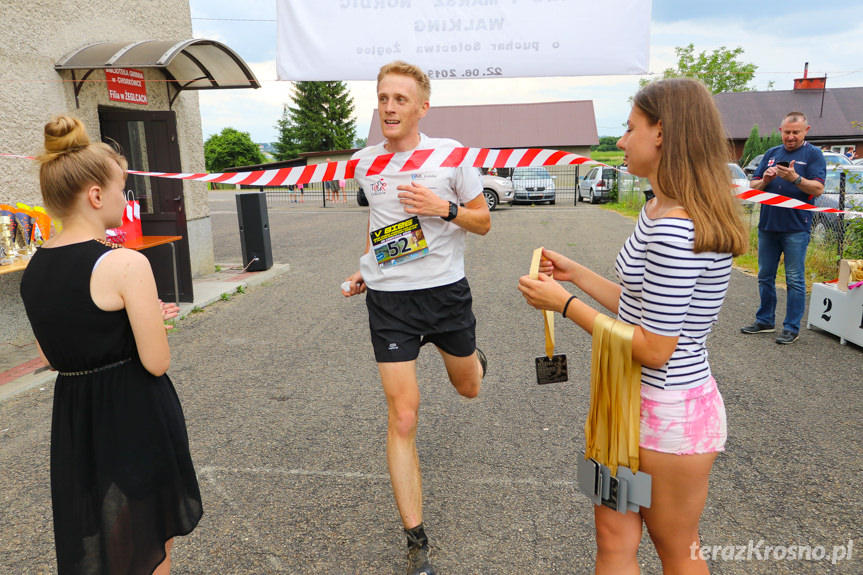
(750, 168)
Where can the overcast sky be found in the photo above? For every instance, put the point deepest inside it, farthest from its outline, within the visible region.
(777, 37)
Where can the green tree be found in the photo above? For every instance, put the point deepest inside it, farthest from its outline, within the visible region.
(771, 141)
(606, 144)
(229, 149)
(320, 119)
(287, 147)
(720, 70)
(752, 147)
(755, 144)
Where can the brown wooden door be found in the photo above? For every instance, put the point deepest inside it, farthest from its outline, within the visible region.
(149, 142)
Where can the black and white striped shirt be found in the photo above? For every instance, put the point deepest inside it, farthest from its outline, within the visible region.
(669, 290)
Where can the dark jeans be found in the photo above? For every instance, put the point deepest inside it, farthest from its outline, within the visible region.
(770, 246)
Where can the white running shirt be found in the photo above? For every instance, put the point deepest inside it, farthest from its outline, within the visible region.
(444, 263)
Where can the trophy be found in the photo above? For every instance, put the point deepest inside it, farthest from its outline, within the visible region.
(7, 242)
(24, 234)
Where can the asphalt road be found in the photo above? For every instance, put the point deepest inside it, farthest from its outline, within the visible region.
(288, 424)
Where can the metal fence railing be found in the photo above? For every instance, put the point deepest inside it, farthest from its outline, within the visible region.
(840, 233)
(315, 194)
(564, 180)
(836, 234)
(531, 186)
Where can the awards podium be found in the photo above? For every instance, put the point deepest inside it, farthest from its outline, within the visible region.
(836, 311)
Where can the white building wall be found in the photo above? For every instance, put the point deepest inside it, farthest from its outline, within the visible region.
(37, 34)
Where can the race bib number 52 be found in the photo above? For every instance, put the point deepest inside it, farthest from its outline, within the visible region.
(399, 243)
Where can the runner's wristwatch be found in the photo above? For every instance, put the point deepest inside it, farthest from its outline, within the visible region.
(453, 212)
(798, 180)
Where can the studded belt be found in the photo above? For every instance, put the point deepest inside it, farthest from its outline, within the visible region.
(97, 370)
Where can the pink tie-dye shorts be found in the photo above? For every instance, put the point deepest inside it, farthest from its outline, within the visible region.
(683, 422)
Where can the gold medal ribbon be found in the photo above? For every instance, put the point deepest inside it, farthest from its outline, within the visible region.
(547, 315)
(612, 427)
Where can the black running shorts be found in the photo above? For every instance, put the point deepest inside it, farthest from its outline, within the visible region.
(403, 321)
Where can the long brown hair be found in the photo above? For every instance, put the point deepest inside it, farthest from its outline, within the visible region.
(71, 163)
(693, 167)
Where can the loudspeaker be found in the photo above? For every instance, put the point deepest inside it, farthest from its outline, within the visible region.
(254, 231)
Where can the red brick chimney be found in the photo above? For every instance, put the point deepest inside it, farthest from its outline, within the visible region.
(807, 83)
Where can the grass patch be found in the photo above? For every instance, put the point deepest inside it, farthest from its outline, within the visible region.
(225, 297)
(613, 158)
(821, 261)
(627, 210)
(240, 289)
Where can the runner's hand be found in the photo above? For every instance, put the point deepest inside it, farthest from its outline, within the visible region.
(421, 201)
(357, 285)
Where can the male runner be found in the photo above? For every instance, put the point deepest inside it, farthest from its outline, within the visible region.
(413, 273)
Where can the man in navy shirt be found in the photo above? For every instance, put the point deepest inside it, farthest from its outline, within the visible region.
(796, 169)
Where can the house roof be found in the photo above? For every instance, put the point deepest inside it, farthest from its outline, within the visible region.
(540, 125)
(841, 106)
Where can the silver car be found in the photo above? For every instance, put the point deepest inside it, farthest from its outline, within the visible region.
(739, 181)
(497, 191)
(825, 225)
(596, 185)
(533, 185)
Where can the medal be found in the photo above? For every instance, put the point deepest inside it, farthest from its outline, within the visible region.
(549, 368)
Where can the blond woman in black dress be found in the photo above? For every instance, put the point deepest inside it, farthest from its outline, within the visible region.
(122, 480)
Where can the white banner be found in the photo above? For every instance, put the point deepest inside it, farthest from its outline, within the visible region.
(457, 39)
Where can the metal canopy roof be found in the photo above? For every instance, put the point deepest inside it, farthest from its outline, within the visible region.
(195, 64)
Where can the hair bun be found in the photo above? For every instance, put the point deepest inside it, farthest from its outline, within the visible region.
(64, 134)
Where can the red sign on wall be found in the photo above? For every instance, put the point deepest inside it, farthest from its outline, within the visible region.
(126, 85)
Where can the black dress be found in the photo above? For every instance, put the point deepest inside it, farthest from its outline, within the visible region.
(122, 479)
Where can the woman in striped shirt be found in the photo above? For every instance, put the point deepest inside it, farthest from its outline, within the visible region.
(673, 274)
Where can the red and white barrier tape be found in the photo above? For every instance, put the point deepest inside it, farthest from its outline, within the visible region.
(436, 158)
(400, 162)
(786, 202)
